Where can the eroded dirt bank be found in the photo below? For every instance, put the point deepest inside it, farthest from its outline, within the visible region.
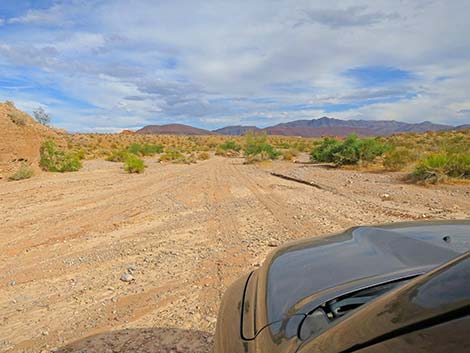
(182, 232)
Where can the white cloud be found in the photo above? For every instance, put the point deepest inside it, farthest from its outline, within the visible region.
(215, 61)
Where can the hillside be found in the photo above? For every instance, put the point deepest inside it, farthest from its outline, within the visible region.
(20, 139)
(236, 130)
(173, 129)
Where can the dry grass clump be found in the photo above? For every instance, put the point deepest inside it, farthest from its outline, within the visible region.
(24, 172)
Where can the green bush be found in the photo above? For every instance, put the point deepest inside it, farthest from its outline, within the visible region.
(459, 166)
(440, 166)
(134, 164)
(230, 146)
(326, 150)
(397, 158)
(151, 150)
(432, 169)
(144, 150)
(135, 148)
(257, 148)
(56, 160)
(24, 172)
(350, 151)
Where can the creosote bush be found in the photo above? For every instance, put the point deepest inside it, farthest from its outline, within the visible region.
(350, 151)
(54, 159)
(133, 164)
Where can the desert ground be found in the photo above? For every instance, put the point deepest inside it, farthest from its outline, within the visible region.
(178, 235)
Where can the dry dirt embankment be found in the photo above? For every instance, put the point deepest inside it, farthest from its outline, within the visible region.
(20, 139)
(183, 233)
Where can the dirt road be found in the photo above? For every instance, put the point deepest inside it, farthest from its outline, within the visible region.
(182, 232)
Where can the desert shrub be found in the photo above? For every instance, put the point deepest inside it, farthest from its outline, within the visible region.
(185, 159)
(432, 169)
(326, 150)
(230, 146)
(397, 158)
(290, 154)
(151, 150)
(145, 149)
(133, 164)
(171, 154)
(117, 156)
(54, 159)
(257, 148)
(203, 156)
(135, 148)
(459, 166)
(370, 148)
(350, 151)
(24, 172)
(300, 146)
(17, 118)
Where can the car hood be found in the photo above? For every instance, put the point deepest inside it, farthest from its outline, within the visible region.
(296, 277)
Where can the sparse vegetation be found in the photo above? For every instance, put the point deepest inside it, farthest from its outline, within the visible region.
(24, 172)
(54, 159)
(171, 154)
(257, 148)
(133, 164)
(290, 154)
(145, 149)
(203, 156)
(230, 145)
(17, 118)
(439, 167)
(117, 156)
(398, 158)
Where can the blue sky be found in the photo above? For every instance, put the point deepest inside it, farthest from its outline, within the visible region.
(108, 65)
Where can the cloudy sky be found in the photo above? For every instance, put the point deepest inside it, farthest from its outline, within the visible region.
(103, 65)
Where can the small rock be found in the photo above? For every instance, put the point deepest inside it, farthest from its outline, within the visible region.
(127, 277)
(385, 197)
(272, 243)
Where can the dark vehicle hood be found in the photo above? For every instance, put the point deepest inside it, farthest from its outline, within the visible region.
(297, 277)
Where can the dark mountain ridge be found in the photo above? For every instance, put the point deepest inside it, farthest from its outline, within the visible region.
(309, 128)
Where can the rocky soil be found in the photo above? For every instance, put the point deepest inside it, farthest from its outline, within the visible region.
(102, 261)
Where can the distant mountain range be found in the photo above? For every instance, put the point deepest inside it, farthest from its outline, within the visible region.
(309, 128)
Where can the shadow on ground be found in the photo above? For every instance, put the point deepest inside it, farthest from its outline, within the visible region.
(146, 340)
